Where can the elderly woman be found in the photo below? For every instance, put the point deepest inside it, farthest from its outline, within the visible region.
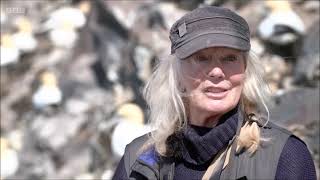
(207, 102)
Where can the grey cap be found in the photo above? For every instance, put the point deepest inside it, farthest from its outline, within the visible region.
(206, 27)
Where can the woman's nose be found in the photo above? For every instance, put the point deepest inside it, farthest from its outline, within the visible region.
(216, 72)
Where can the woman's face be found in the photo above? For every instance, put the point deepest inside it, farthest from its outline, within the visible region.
(213, 79)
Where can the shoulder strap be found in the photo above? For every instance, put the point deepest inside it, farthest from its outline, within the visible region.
(215, 168)
(131, 152)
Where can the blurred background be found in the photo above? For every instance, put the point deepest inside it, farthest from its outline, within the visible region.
(72, 74)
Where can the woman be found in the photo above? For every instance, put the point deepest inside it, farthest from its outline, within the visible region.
(206, 104)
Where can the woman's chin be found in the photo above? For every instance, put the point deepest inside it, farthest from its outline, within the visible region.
(217, 106)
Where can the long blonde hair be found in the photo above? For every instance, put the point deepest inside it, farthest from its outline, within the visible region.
(168, 112)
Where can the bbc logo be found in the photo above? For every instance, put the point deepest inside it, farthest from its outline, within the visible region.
(15, 10)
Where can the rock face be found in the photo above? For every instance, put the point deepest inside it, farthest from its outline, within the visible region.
(307, 70)
(100, 59)
(286, 111)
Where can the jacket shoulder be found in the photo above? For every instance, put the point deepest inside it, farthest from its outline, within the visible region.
(274, 130)
(285, 132)
(132, 151)
(138, 142)
(278, 128)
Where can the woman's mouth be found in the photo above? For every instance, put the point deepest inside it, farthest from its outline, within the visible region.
(216, 93)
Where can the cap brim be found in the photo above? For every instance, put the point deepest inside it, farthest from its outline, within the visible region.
(211, 40)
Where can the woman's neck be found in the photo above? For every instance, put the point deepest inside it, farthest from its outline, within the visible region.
(204, 119)
(208, 119)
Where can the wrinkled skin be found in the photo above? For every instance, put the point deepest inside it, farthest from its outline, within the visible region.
(213, 81)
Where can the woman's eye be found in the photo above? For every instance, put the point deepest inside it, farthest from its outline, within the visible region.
(230, 58)
(202, 59)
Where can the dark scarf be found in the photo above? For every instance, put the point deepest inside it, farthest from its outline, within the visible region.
(198, 145)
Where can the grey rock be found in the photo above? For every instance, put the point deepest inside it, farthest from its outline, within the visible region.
(46, 129)
(77, 106)
(143, 58)
(287, 111)
(307, 68)
(77, 159)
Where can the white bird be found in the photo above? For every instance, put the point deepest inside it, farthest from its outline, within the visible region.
(63, 24)
(124, 133)
(107, 174)
(24, 38)
(25, 42)
(9, 52)
(63, 37)
(85, 6)
(12, 45)
(129, 128)
(70, 15)
(8, 158)
(281, 15)
(48, 93)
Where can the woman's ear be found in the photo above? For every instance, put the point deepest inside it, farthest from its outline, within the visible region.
(182, 90)
(181, 87)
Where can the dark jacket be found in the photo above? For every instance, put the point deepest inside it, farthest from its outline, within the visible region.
(263, 165)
